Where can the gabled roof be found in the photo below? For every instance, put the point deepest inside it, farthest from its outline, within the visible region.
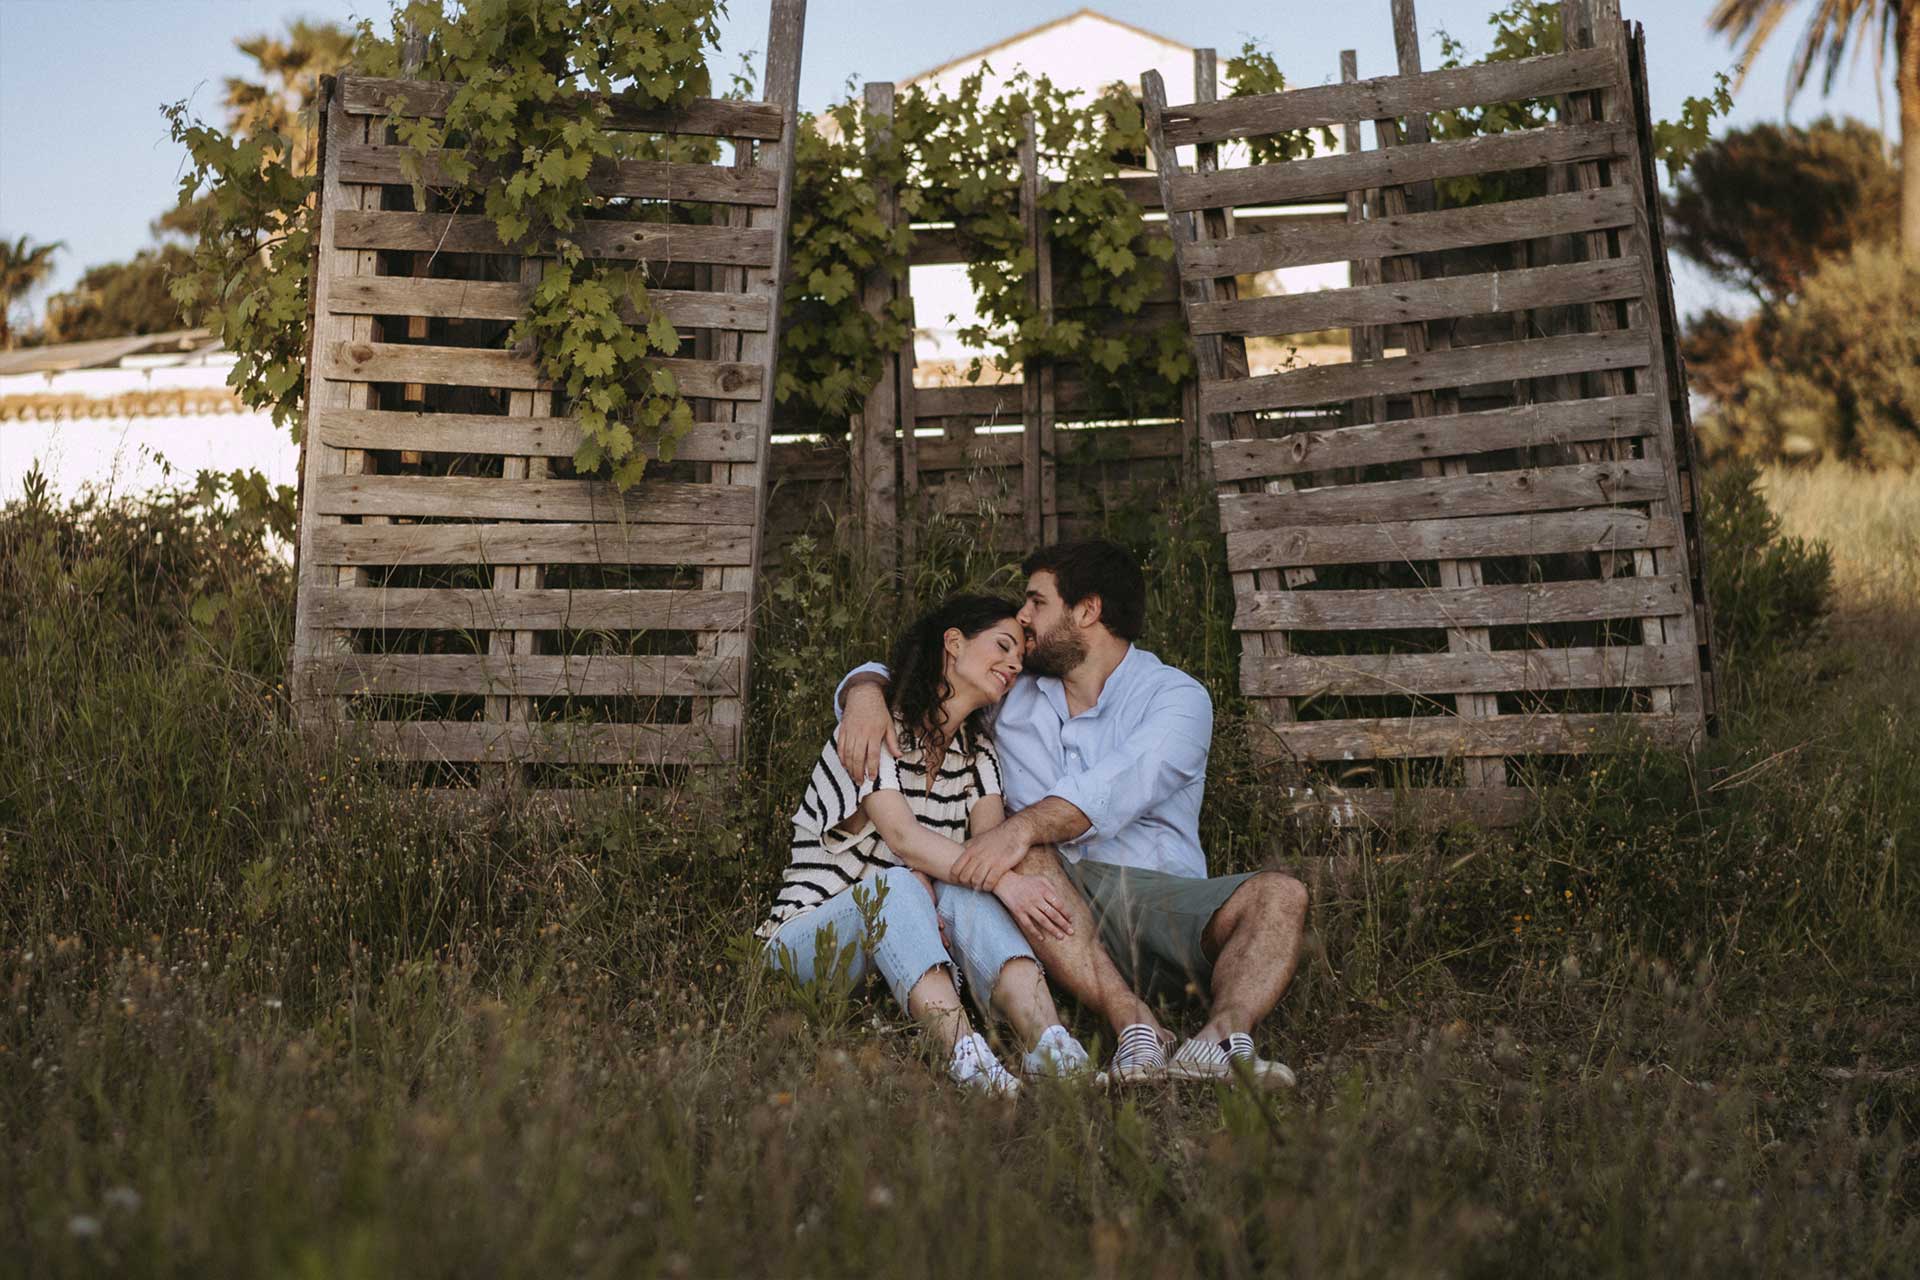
(99, 353)
(1018, 36)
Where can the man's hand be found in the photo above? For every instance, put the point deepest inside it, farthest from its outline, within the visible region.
(991, 855)
(1034, 906)
(865, 727)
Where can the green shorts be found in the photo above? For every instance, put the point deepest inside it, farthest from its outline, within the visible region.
(1152, 923)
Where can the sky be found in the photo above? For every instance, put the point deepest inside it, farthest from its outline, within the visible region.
(85, 157)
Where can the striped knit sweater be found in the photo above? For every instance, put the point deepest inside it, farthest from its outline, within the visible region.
(834, 848)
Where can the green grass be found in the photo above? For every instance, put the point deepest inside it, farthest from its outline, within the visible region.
(264, 1017)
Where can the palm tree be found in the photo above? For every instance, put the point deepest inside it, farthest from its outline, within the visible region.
(1832, 27)
(22, 266)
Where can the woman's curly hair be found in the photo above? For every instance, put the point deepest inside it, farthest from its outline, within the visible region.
(918, 682)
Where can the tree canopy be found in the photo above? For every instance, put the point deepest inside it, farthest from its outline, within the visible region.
(1762, 206)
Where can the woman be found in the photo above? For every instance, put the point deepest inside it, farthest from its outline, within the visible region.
(904, 831)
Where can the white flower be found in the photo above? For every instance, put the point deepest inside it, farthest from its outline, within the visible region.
(123, 1198)
(83, 1225)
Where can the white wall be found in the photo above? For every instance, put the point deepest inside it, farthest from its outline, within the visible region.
(132, 454)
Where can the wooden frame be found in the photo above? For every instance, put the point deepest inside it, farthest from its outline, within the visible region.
(466, 603)
(1492, 567)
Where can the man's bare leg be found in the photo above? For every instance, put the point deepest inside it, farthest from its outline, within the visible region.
(1254, 941)
(1078, 962)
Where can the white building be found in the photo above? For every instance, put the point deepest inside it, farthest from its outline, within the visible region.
(127, 415)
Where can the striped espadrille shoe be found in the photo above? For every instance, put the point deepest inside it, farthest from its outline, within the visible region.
(1227, 1061)
(1140, 1056)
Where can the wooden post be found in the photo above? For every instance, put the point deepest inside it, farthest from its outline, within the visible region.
(1037, 472)
(1199, 457)
(1364, 342)
(1406, 52)
(909, 443)
(875, 486)
(1687, 443)
(1609, 33)
(329, 330)
(786, 27)
(413, 52)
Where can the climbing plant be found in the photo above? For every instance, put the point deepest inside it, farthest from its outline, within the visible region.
(520, 140)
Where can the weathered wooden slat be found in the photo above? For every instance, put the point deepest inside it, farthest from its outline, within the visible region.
(1301, 243)
(486, 498)
(604, 542)
(1558, 533)
(428, 608)
(1445, 436)
(1002, 400)
(1326, 105)
(1410, 736)
(481, 367)
(529, 675)
(703, 117)
(1429, 371)
(1504, 671)
(518, 742)
(490, 434)
(1518, 604)
(641, 179)
(488, 300)
(1335, 175)
(1405, 302)
(610, 239)
(1489, 493)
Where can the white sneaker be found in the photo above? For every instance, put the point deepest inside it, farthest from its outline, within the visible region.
(1057, 1054)
(1226, 1061)
(974, 1067)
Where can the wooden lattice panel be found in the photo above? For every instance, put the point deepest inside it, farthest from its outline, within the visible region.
(1485, 572)
(466, 601)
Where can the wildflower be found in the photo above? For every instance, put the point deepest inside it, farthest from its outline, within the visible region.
(83, 1226)
(123, 1198)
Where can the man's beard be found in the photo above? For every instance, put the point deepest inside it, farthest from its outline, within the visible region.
(1057, 652)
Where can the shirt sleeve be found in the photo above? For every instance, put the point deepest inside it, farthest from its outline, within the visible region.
(986, 769)
(840, 691)
(1168, 755)
(833, 798)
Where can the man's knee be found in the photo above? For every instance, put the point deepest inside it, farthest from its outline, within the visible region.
(1042, 860)
(1270, 897)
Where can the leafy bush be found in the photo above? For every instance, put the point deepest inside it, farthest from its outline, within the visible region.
(1766, 589)
(1841, 378)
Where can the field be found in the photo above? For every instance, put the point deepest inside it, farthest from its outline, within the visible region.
(265, 1017)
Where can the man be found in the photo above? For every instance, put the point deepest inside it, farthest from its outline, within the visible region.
(1103, 751)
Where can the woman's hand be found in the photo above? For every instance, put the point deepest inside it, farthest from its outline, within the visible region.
(1034, 906)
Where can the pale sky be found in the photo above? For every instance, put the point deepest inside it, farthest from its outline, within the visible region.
(85, 158)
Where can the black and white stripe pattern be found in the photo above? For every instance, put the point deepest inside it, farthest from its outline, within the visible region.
(834, 848)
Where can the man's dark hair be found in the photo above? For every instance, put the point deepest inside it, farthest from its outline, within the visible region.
(1097, 567)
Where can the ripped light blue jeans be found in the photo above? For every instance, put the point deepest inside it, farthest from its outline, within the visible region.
(984, 936)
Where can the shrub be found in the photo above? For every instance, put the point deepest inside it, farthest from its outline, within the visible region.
(1843, 375)
(1766, 589)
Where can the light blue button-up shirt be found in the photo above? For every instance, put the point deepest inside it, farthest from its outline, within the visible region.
(1135, 762)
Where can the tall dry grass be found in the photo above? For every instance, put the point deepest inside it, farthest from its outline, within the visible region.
(266, 1017)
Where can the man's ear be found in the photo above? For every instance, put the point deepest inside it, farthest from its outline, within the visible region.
(1088, 611)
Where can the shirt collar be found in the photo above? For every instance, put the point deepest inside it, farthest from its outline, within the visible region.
(1055, 689)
